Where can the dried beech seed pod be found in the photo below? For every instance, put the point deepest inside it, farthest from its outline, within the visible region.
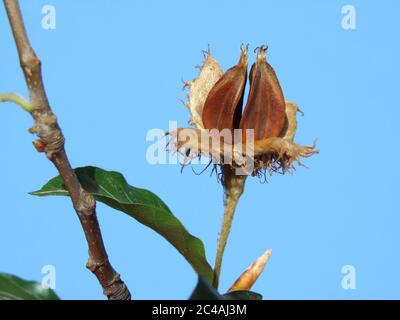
(265, 107)
(224, 103)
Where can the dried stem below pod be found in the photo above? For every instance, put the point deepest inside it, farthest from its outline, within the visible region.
(233, 189)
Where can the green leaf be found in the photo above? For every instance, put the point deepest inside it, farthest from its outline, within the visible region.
(14, 288)
(204, 291)
(112, 189)
(243, 295)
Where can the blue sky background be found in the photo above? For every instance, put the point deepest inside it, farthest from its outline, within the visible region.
(114, 69)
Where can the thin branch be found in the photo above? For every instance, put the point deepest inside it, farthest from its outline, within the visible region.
(12, 97)
(49, 132)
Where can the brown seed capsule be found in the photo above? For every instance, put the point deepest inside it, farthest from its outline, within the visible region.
(223, 106)
(265, 107)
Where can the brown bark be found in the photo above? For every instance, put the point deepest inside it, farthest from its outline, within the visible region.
(50, 134)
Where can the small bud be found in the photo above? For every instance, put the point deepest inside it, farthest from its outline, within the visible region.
(250, 276)
(265, 107)
(39, 145)
(224, 103)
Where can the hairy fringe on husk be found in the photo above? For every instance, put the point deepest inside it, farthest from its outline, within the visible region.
(269, 155)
